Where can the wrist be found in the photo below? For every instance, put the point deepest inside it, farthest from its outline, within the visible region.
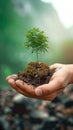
(70, 69)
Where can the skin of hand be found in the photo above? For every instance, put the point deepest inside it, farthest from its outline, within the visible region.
(59, 80)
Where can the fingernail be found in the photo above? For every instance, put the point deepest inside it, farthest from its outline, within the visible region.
(19, 82)
(38, 92)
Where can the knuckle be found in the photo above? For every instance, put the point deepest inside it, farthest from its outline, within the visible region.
(56, 64)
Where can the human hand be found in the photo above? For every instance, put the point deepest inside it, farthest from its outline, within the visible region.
(59, 80)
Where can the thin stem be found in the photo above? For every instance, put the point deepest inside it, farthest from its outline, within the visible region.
(37, 55)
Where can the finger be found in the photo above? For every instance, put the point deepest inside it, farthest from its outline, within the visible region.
(49, 97)
(53, 66)
(46, 89)
(25, 87)
(14, 76)
(53, 95)
(18, 89)
(56, 66)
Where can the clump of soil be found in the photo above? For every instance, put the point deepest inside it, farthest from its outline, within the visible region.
(36, 74)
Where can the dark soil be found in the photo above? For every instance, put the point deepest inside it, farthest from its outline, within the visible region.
(36, 74)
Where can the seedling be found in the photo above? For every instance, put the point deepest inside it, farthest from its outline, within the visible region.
(37, 41)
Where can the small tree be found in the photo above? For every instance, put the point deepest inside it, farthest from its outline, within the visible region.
(37, 41)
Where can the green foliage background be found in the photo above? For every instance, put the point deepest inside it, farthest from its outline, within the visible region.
(16, 18)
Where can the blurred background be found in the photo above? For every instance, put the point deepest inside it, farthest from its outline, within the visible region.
(55, 18)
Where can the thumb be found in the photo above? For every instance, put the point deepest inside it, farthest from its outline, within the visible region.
(46, 89)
